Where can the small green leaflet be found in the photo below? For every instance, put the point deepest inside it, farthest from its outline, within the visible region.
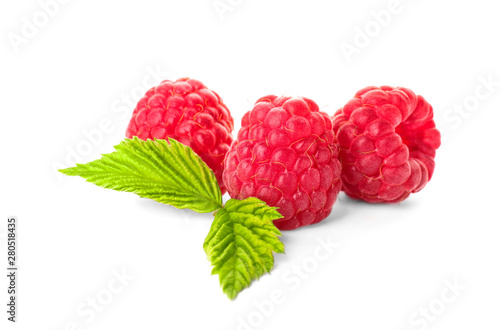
(241, 242)
(242, 237)
(168, 172)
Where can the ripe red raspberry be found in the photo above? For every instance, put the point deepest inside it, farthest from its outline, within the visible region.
(388, 140)
(189, 112)
(285, 155)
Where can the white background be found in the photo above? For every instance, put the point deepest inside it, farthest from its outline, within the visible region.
(78, 68)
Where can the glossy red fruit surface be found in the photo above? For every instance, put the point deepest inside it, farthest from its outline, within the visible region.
(285, 155)
(189, 112)
(387, 143)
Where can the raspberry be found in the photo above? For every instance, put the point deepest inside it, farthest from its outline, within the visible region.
(285, 155)
(189, 112)
(387, 140)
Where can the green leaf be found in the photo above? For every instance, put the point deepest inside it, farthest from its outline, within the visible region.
(168, 172)
(241, 242)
